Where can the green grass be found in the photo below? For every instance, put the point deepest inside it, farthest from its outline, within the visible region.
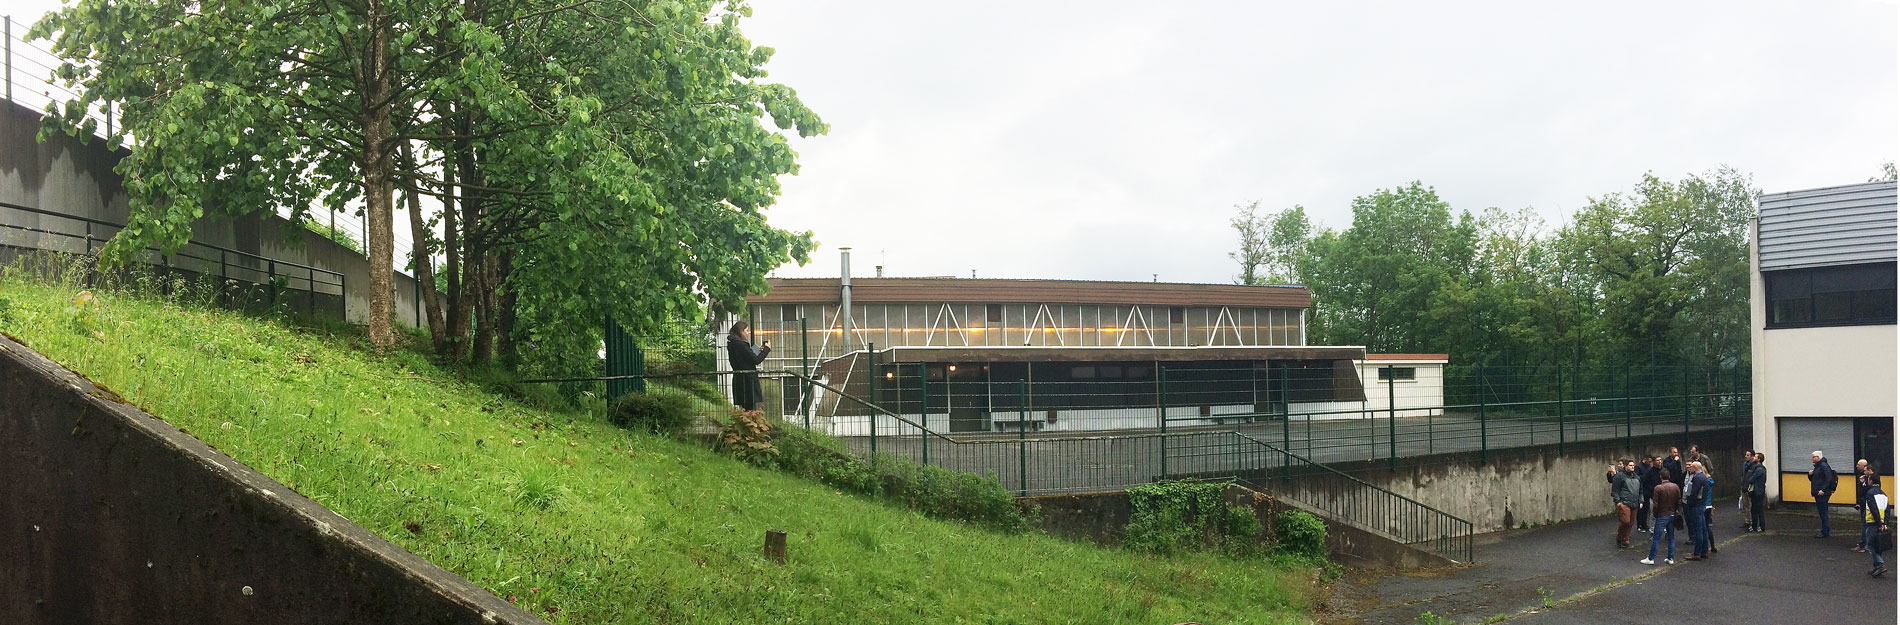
(581, 522)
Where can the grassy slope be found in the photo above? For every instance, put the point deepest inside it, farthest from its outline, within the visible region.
(585, 523)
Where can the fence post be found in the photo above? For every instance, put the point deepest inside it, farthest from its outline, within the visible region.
(1560, 409)
(1161, 413)
(1286, 426)
(924, 409)
(1022, 436)
(1391, 418)
(270, 279)
(804, 367)
(1685, 405)
(870, 393)
(1484, 434)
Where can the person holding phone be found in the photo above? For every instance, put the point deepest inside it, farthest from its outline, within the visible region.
(745, 359)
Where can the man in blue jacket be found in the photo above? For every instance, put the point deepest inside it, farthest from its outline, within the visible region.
(1756, 485)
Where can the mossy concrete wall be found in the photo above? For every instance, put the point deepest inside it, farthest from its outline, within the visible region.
(110, 515)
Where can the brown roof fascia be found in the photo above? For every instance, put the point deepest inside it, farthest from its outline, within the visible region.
(1117, 354)
(995, 291)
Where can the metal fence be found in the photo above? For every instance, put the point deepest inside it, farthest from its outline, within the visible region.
(243, 280)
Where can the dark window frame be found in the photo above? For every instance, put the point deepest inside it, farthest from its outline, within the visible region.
(1820, 297)
(1398, 374)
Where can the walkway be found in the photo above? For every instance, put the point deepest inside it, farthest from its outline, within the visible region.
(1781, 576)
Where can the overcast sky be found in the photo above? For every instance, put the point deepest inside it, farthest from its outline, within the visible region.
(1110, 140)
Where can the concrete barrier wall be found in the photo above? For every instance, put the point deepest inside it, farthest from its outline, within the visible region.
(110, 515)
(70, 177)
(1526, 485)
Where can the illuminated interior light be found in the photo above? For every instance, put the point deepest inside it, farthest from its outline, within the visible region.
(888, 375)
(953, 368)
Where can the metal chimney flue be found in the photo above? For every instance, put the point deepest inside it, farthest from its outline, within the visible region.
(844, 295)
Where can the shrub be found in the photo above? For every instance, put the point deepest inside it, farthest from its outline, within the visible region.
(659, 410)
(1298, 533)
(1169, 517)
(933, 491)
(747, 435)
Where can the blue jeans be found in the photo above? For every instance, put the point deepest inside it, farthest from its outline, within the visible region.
(1866, 535)
(1664, 523)
(1699, 532)
(1820, 506)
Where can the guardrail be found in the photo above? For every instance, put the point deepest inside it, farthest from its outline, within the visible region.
(256, 279)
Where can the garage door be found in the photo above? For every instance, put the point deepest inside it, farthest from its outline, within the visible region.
(1801, 436)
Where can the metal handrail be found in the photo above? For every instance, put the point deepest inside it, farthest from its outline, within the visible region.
(1462, 534)
(108, 224)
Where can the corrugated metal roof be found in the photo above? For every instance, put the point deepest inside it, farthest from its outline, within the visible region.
(998, 291)
(1844, 225)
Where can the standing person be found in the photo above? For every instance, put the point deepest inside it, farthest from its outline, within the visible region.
(1648, 475)
(1873, 519)
(1695, 455)
(1624, 487)
(1665, 498)
(1822, 480)
(1673, 463)
(1757, 480)
(1860, 500)
(745, 360)
(1695, 498)
(1741, 495)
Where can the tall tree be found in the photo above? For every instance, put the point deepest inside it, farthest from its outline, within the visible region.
(1375, 283)
(1271, 244)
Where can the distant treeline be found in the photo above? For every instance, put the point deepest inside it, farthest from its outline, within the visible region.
(1657, 275)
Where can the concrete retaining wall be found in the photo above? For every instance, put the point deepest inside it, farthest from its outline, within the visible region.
(1102, 517)
(1526, 485)
(68, 177)
(110, 515)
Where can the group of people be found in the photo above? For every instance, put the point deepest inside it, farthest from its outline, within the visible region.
(1662, 494)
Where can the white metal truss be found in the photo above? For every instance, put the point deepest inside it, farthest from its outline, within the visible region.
(1045, 319)
(1136, 319)
(1233, 324)
(944, 313)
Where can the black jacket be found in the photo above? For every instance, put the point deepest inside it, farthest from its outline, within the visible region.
(745, 359)
(1650, 478)
(1674, 465)
(1756, 479)
(1823, 478)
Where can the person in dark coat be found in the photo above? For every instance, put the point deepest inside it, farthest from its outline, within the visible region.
(1860, 497)
(1822, 480)
(745, 359)
(1757, 487)
(1648, 475)
(1673, 464)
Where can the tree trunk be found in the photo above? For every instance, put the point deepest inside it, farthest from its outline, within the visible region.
(376, 78)
(485, 314)
(468, 289)
(424, 264)
(507, 349)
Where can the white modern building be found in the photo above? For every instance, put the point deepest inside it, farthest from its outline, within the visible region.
(1411, 384)
(1821, 299)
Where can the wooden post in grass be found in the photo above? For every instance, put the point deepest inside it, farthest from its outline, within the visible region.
(775, 545)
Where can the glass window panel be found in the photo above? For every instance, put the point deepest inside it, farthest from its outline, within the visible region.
(1833, 306)
(1792, 311)
(1874, 305)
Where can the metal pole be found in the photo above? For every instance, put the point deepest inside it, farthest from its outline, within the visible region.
(1286, 426)
(1629, 426)
(9, 38)
(1560, 410)
(1484, 441)
(923, 406)
(1022, 436)
(1684, 376)
(1161, 405)
(1391, 418)
(804, 366)
(870, 370)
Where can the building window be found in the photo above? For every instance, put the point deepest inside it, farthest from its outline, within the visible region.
(1830, 296)
(1398, 374)
(1177, 314)
(996, 313)
(788, 312)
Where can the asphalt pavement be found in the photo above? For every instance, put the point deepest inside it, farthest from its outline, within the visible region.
(1780, 576)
